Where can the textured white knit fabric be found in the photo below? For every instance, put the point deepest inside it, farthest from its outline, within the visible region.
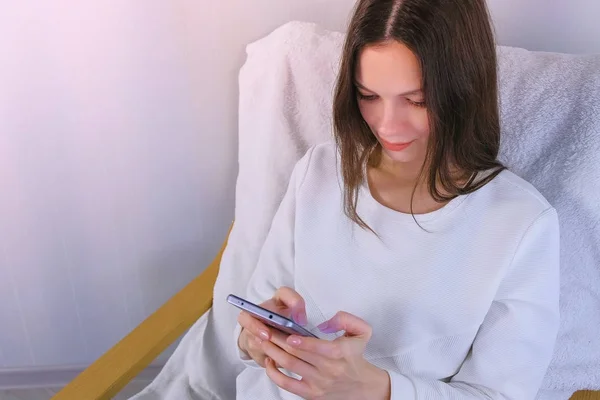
(466, 309)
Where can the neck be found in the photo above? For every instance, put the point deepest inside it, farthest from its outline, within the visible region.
(405, 173)
(408, 173)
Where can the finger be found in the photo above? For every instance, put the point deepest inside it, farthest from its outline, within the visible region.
(295, 386)
(250, 345)
(258, 357)
(321, 348)
(288, 361)
(254, 326)
(351, 324)
(254, 343)
(277, 307)
(291, 299)
(255, 350)
(312, 358)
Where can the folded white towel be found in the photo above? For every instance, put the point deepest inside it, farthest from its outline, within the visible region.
(551, 127)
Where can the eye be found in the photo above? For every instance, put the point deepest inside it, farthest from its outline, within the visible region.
(420, 104)
(367, 97)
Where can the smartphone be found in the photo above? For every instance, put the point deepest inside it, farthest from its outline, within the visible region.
(270, 318)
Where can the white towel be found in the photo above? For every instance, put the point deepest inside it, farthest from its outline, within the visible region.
(551, 137)
(551, 126)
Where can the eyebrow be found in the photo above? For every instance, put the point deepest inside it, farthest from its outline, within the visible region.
(411, 92)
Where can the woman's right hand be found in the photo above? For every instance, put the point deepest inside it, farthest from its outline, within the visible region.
(286, 302)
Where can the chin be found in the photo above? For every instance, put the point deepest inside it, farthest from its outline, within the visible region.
(405, 156)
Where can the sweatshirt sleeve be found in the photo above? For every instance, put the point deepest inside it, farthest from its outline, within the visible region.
(275, 267)
(515, 343)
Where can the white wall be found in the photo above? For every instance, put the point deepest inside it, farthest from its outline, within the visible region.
(118, 151)
(567, 26)
(117, 160)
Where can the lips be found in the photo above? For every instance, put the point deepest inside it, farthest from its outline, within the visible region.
(394, 146)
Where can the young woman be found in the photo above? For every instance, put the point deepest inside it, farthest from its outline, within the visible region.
(431, 270)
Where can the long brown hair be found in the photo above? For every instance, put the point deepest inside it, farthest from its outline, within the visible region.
(454, 43)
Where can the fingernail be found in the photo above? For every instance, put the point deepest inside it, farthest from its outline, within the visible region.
(294, 341)
(326, 328)
(323, 326)
(264, 335)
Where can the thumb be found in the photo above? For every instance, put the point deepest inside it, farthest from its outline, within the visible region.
(351, 324)
(291, 299)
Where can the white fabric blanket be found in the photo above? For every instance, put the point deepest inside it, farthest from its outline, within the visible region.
(551, 127)
(551, 137)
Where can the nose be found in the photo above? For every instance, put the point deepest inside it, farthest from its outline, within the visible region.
(392, 119)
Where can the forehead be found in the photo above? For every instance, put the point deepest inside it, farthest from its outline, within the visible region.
(390, 67)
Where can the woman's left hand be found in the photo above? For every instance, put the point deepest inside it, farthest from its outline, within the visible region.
(329, 369)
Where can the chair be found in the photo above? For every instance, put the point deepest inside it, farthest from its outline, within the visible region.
(111, 372)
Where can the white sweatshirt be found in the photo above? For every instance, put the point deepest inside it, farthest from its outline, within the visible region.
(466, 309)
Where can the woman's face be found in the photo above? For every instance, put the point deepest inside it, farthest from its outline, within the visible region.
(388, 80)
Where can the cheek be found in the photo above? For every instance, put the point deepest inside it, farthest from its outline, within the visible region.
(369, 114)
(421, 124)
